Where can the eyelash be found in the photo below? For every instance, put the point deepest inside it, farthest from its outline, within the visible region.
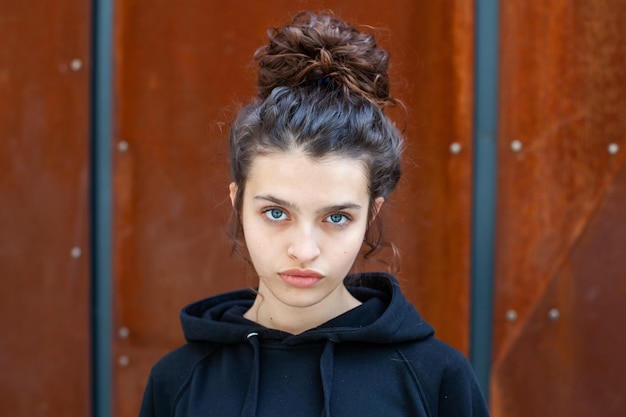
(267, 213)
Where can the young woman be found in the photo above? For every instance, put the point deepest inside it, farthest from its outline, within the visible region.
(313, 160)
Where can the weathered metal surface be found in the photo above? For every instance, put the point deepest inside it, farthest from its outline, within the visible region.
(567, 357)
(44, 209)
(561, 210)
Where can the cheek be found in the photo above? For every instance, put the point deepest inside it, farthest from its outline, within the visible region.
(350, 245)
(251, 233)
(259, 251)
(261, 239)
(254, 237)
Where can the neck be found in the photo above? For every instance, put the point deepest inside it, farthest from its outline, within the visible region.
(270, 312)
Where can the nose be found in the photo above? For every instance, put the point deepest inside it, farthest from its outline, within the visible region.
(304, 246)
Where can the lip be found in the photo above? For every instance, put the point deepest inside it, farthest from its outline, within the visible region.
(300, 278)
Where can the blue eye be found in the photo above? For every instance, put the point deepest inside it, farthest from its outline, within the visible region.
(275, 214)
(338, 219)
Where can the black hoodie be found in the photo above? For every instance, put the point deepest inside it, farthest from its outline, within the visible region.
(379, 359)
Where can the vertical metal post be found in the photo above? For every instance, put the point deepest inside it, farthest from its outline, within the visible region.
(484, 199)
(101, 119)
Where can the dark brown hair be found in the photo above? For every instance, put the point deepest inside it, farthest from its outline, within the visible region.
(323, 87)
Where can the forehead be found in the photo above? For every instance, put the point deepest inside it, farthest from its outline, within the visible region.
(296, 175)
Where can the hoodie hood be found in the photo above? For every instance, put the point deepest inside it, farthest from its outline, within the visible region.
(379, 358)
(385, 316)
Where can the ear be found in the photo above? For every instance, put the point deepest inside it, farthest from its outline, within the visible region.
(378, 203)
(233, 192)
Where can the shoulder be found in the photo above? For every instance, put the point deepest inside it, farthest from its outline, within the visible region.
(446, 378)
(169, 377)
(434, 356)
(178, 364)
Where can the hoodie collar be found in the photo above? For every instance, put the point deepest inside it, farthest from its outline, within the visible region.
(381, 318)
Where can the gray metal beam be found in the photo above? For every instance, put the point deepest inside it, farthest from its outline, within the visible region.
(484, 181)
(101, 230)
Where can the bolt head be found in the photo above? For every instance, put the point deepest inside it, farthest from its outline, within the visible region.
(76, 252)
(123, 332)
(123, 361)
(511, 315)
(76, 64)
(554, 314)
(516, 146)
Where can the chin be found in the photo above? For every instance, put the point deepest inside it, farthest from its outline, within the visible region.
(301, 300)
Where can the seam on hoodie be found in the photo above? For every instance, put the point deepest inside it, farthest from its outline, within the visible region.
(183, 388)
(416, 379)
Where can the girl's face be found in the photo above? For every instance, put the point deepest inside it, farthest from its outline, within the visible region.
(304, 221)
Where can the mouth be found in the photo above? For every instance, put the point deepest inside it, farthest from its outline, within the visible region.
(300, 278)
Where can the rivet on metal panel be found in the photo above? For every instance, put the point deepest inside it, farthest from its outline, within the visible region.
(122, 146)
(516, 146)
(511, 315)
(554, 314)
(123, 332)
(76, 252)
(455, 148)
(613, 148)
(76, 64)
(123, 361)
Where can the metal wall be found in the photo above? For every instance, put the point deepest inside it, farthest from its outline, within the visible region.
(560, 278)
(44, 209)
(181, 71)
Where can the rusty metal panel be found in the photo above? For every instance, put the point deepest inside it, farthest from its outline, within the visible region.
(567, 358)
(559, 273)
(180, 74)
(44, 209)
(432, 210)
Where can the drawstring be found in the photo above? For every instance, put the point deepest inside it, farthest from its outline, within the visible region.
(327, 363)
(250, 405)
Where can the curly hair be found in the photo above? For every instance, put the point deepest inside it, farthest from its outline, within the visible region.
(322, 47)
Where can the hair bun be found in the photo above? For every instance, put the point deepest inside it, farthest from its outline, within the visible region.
(322, 50)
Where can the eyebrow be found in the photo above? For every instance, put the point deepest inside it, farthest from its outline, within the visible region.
(291, 206)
